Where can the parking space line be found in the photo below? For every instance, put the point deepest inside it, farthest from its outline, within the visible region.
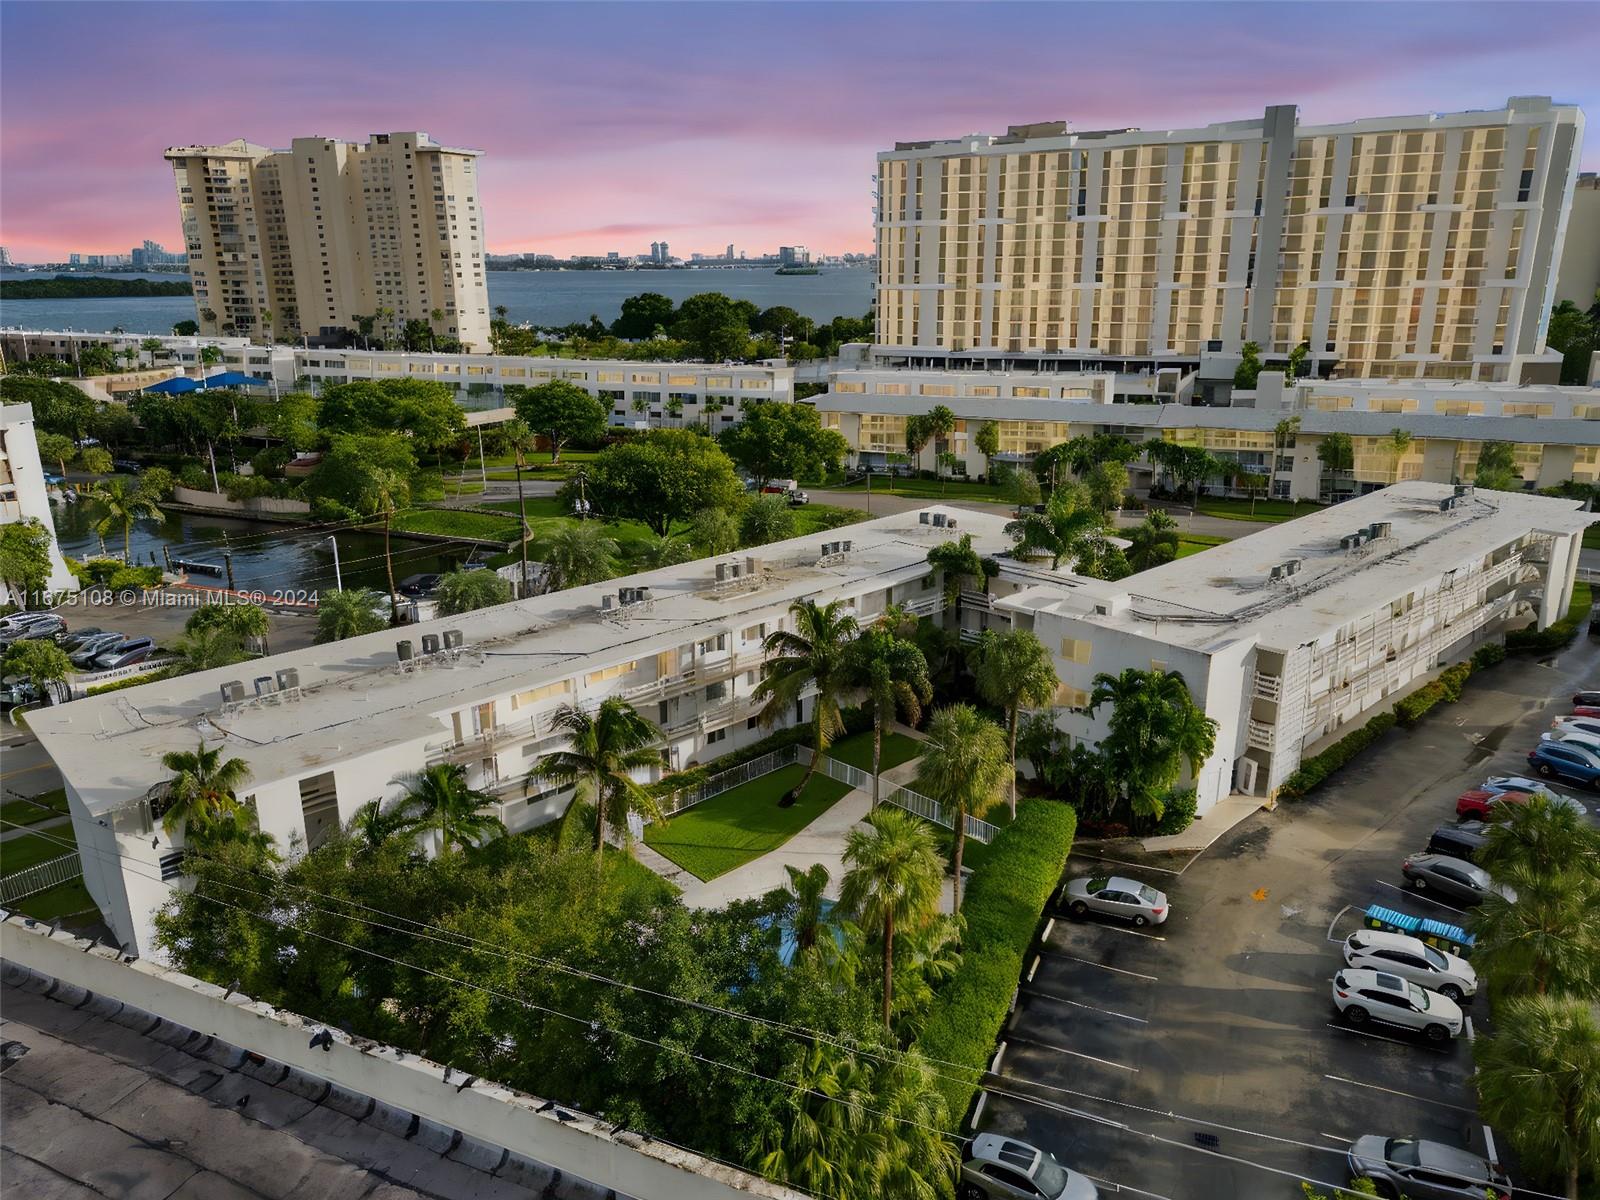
(1334, 1137)
(1131, 866)
(1394, 1092)
(1422, 896)
(1119, 1188)
(1154, 937)
(1378, 1037)
(1027, 1041)
(1079, 1004)
(1088, 962)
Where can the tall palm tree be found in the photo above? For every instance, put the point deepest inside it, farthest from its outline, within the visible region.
(1155, 728)
(202, 788)
(347, 613)
(121, 503)
(893, 673)
(963, 768)
(603, 752)
(1013, 671)
(208, 647)
(815, 653)
(1394, 446)
(1541, 839)
(382, 492)
(373, 825)
(580, 553)
(1544, 941)
(804, 899)
(438, 800)
(1153, 541)
(663, 552)
(519, 439)
(1057, 529)
(892, 878)
(1538, 1082)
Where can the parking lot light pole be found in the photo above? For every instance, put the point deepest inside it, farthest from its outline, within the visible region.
(338, 581)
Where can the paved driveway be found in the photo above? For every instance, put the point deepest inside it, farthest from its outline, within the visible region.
(1202, 1058)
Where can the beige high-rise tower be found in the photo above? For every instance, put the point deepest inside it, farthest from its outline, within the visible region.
(304, 241)
(1393, 246)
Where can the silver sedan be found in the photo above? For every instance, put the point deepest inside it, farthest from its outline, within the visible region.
(1117, 896)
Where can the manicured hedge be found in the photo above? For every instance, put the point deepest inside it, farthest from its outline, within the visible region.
(1444, 690)
(1313, 771)
(1544, 641)
(1003, 907)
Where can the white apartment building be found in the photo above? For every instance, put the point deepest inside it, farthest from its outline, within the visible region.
(1288, 637)
(23, 493)
(1423, 246)
(1579, 278)
(301, 242)
(329, 728)
(1554, 431)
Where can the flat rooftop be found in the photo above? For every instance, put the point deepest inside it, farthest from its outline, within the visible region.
(1210, 599)
(355, 699)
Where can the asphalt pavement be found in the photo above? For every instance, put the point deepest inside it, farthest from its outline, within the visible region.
(1203, 1058)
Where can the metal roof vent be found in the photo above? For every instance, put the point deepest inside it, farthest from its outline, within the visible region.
(453, 639)
(430, 643)
(289, 679)
(233, 692)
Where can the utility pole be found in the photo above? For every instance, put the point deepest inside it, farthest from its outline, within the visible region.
(227, 563)
(338, 580)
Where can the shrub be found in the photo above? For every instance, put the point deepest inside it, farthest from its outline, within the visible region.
(1454, 680)
(1417, 705)
(1487, 655)
(139, 578)
(193, 475)
(1314, 771)
(150, 676)
(1003, 906)
(1177, 813)
(1546, 641)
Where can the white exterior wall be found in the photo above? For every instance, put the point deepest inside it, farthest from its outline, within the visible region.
(23, 494)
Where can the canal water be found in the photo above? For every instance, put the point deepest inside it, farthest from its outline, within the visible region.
(280, 560)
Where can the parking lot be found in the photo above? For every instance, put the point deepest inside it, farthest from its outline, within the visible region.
(1203, 1057)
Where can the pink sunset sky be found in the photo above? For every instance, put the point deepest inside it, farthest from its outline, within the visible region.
(608, 126)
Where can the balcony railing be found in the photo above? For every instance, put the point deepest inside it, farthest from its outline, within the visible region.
(1268, 687)
(1261, 736)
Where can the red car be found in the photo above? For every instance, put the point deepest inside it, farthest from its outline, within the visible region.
(1480, 804)
(1586, 710)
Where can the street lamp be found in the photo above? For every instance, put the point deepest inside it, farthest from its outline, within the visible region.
(338, 580)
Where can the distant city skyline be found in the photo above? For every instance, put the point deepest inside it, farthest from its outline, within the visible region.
(627, 133)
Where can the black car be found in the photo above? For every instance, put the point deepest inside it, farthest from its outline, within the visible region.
(1586, 700)
(126, 465)
(419, 585)
(1462, 841)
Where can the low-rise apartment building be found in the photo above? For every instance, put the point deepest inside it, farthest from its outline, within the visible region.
(330, 728)
(1288, 637)
(23, 494)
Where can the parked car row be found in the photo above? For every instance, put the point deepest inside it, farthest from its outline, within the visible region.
(1571, 750)
(90, 649)
(27, 626)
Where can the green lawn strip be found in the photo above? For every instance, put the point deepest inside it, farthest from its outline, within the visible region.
(857, 750)
(31, 811)
(70, 899)
(1271, 511)
(19, 853)
(1194, 543)
(740, 825)
(454, 522)
(1591, 538)
(817, 518)
(926, 489)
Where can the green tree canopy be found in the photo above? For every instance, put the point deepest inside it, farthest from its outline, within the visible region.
(57, 407)
(1154, 729)
(1013, 671)
(560, 412)
(713, 326)
(345, 472)
(604, 752)
(663, 477)
(643, 315)
(891, 882)
(1336, 452)
(202, 788)
(579, 553)
(441, 804)
(813, 652)
(423, 408)
(893, 674)
(1153, 541)
(964, 766)
(1497, 468)
(1067, 518)
(292, 419)
(1576, 334)
(463, 591)
(1246, 374)
(120, 504)
(779, 440)
(766, 519)
(713, 531)
(346, 614)
(36, 659)
(25, 559)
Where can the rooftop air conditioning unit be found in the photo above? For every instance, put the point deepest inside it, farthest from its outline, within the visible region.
(1277, 571)
(404, 651)
(923, 518)
(752, 566)
(1349, 542)
(644, 594)
(1463, 489)
(1448, 503)
(452, 639)
(844, 547)
(1292, 567)
(722, 573)
(1380, 529)
(289, 679)
(627, 595)
(233, 692)
(939, 520)
(950, 524)
(430, 643)
(266, 685)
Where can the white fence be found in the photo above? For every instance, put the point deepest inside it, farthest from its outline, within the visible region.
(901, 797)
(40, 877)
(727, 780)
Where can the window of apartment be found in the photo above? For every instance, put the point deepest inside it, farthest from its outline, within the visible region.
(1068, 696)
(594, 677)
(715, 736)
(720, 642)
(850, 387)
(1076, 650)
(754, 633)
(534, 695)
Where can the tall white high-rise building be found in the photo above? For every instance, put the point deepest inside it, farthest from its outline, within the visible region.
(1417, 246)
(306, 241)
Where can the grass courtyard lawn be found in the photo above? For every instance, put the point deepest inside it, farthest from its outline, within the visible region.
(857, 750)
(975, 853)
(729, 830)
(1194, 543)
(815, 518)
(31, 811)
(30, 849)
(1591, 538)
(926, 489)
(452, 522)
(70, 899)
(1239, 510)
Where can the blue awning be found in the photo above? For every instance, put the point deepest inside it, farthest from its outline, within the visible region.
(174, 386)
(235, 379)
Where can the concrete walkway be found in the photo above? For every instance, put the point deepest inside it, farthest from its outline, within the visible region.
(1224, 815)
(7, 832)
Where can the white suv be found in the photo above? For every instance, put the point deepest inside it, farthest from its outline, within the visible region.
(1361, 996)
(1411, 958)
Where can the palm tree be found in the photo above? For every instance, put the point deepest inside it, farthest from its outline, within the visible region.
(435, 319)
(1013, 671)
(1057, 529)
(892, 877)
(202, 788)
(208, 647)
(121, 504)
(580, 553)
(1541, 839)
(346, 614)
(812, 654)
(1538, 1082)
(382, 492)
(438, 799)
(1544, 941)
(963, 768)
(603, 752)
(1394, 447)
(373, 825)
(1155, 728)
(1153, 541)
(894, 675)
(804, 900)
(152, 347)
(663, 552)
(266, 325)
